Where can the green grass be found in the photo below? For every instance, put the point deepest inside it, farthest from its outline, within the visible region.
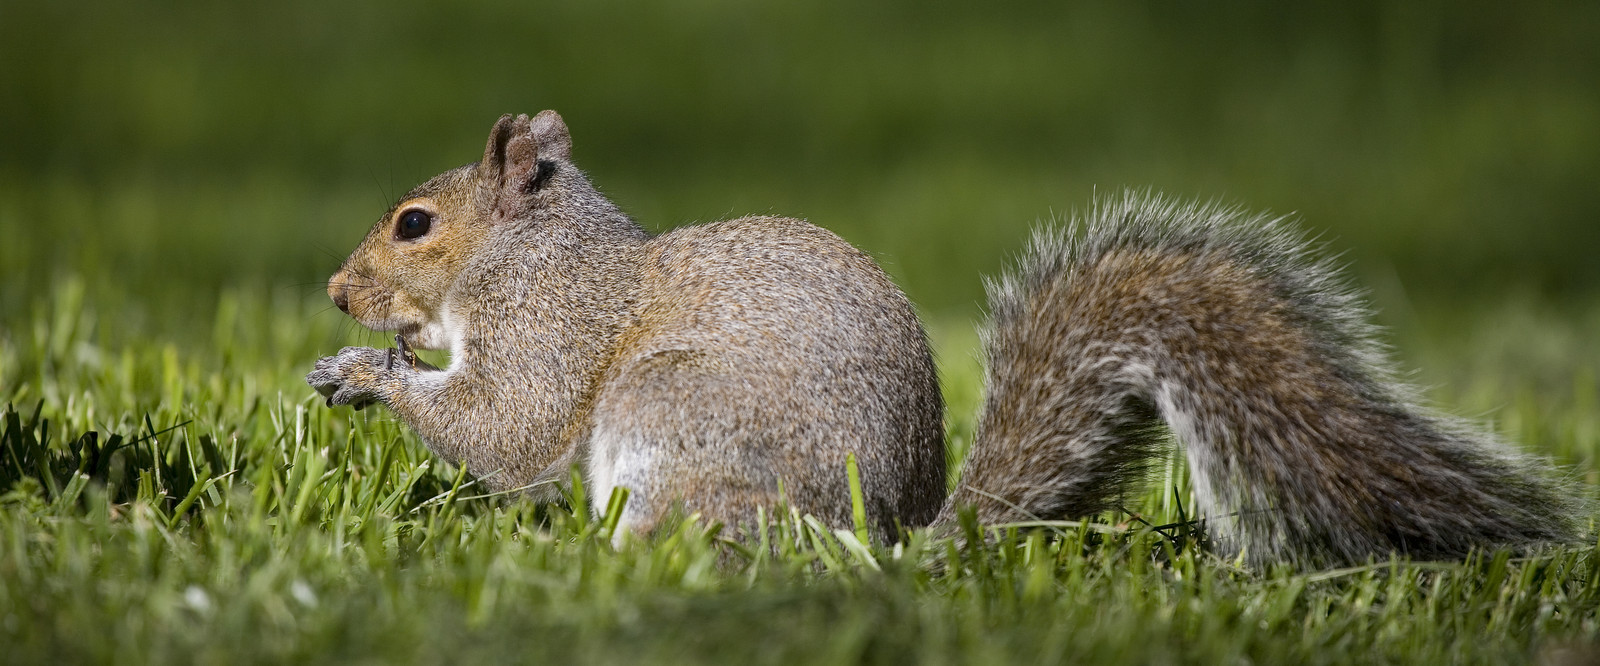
(220, 513)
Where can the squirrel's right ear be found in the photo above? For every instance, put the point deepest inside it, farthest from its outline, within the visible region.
(551, 135)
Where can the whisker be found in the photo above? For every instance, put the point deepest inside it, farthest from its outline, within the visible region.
(382, 192)
(328, 251)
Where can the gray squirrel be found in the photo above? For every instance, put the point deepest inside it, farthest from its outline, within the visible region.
(723, 367)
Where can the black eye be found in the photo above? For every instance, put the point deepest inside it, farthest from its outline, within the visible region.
(413, 224)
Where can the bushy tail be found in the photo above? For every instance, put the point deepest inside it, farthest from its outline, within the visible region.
(1225, 327)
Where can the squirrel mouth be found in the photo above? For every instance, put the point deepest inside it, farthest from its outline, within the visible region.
(423, 335)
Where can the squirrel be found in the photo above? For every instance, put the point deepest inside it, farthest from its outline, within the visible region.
(722, 367)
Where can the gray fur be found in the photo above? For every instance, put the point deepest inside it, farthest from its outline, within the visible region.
(718, 368)
(765, 351)
(1231, 330)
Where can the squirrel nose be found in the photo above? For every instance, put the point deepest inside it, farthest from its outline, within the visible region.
(340, 296)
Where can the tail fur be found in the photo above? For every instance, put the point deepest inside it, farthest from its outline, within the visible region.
(1231, 330)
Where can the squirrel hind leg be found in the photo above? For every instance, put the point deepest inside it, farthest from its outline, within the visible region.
(617, 461)
(669, 429)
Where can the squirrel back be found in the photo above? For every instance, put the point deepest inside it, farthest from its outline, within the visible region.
(734, 365)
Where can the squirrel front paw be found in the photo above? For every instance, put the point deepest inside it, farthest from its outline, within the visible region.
(353, 377)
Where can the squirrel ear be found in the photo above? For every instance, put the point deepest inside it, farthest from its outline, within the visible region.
(517, 145)
(555, 143)
(511, 155)
(493, 166)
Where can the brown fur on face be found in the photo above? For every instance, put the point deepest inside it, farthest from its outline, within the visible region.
(391, 283)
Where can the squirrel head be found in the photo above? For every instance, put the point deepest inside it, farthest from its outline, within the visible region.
(400, 276)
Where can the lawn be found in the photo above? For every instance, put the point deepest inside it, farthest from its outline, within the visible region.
(174, 504)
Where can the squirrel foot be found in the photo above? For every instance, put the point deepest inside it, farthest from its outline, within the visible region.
(354, 376)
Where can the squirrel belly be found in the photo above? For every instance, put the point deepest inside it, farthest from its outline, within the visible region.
(731, 366)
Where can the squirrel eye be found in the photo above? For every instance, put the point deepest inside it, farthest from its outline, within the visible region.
(413, 224)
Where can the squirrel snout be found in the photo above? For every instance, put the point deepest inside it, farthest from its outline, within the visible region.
(339, 294)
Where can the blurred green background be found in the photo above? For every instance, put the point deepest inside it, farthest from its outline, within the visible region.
(164, 151)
